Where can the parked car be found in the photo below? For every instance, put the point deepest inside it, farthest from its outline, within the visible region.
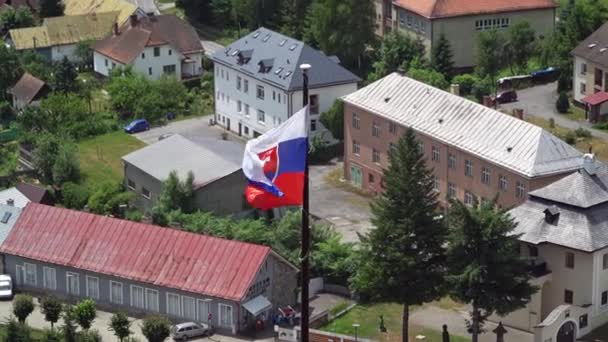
(138, 125)
(184, 331)
(550, 74)
(506, 96)
(6, 287)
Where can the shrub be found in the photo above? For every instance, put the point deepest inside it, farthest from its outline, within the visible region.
(89, 336)
(582, 133)
(134, 215)
(49, 335)
(563, 104)
(85, 313)
(17, 332)
(601, 125)
(156, 328)
(68, 330)
(466, 83)
(23, 305)
(120, 325)
(570, 138)
(51, 309)
(75, 196)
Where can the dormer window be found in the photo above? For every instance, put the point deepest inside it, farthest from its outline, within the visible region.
(243, 57)
(265, 65)
(552, 215)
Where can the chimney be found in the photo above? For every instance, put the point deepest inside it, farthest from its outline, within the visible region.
(518, 113)
(10, 202)
(455, 89)
(133, 20)
(487, 101)
(116, 32)
(589, 163)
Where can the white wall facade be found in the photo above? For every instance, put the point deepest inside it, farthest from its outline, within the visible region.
(152, 66)
(579, 78)
(60, 51)
(103, 64)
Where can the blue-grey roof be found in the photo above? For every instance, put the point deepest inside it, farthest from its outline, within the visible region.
(13, 214)
(285, 54)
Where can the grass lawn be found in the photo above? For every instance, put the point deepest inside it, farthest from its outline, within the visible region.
(178, 12)
(336, 178)
(100, 157)
(367, 317)
(575, 114)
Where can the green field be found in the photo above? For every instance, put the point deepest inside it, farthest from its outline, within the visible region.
(100, 157)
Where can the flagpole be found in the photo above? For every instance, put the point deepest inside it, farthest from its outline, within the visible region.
(304, 253)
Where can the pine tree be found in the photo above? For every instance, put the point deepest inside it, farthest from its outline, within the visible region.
(485, 267)
(402, 259)
(64, 78)
(51, 8)
(442, 58)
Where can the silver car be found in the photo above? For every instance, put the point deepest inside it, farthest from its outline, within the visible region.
(184, 331)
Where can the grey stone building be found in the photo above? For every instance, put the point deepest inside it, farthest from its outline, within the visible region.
(143, 269)
(219, 181)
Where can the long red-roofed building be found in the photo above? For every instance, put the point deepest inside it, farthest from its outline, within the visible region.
(144, 268)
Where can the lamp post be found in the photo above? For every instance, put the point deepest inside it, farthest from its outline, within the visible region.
(304, 253)
(356, 326)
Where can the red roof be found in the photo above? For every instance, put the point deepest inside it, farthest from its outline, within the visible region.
(141, 252)
(454, 8)
(596, 98)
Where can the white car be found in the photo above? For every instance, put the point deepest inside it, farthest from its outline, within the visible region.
(185, 331)
(6, 286)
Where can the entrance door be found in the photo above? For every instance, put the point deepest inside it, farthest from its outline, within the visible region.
(228, 124)
(356, 175)
(240, 129)
(566, 333)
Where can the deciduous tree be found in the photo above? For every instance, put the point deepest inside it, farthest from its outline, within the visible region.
(85, 313)
(23, 306)
(156, 328)
(521, 43)
(67, 165)
(120, 325)
(396, 51)
(10, 70)
(333, 119)
(64, 76)
(402, 260)
(11, 18)
(490, 54)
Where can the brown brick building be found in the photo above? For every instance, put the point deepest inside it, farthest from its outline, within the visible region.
(475, 151)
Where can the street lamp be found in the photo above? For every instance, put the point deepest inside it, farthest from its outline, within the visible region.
(356, 326)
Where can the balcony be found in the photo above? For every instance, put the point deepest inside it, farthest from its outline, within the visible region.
(537, 267)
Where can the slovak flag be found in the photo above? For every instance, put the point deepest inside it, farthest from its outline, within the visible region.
(274, 164)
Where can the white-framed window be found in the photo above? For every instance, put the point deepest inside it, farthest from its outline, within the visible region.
(435, 183)
(435, 153)
(469, 198)
(246, 86)
(409, 20)
(145, 193)
(203, 310)
(92, 284)
(604, 298)
(72, 283)
(189, 308)
(375, 156)
(520, 190)
(605, 261)
(222, 71)
(225, 315)
(156, 51)
(115, 292)
(583, 68)
(375, 129)
(356, 147)
(420, 147)
(150, 71)
(503, 183)
(49, 278)
(30, 274)
(260, 92)
(238, 82)
(468, 168)
(174, 307)
(392, 128)
(152, 300)
(137, 297)
(583, 88)
(106, 62)
(261, 116)
(451, 161)
(485, 175)
(169, 69)
(246, 110)
(356, 121)
(19, 274)
(451, 190)
(239, 106)
(130, 184)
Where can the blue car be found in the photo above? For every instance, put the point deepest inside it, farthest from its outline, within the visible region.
(138, 125)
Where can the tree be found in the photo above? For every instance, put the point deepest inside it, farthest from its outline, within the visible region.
(74, 196)
(466, 83)
(442, 57)
(107, 199)
(396, 51)
(428, 76)
(334, 260)
(342, 27)
(23, 305)
(85, 313)
(490, 54)
(64, 76)
(176, 194)
(45, 154)
(520, 45)
(67, 165)
(10, 70)
(485, 267)
(35, 64)
(333, 119)
(11, 18)
(84, 54)
(563, 103)
(402, 259)
(17, 331)
(51, 309)
(120, 325)
(156, 328)
(293, 14)
(51, 8)
(68, 330)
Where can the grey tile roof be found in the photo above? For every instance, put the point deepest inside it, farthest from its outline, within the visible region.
(286, 55)
(582, 202)
(595, 47)
(500, 139)
(5, 228)
(182, 155)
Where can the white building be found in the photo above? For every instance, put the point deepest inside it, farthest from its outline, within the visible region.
(564, 234)
(153, 46)
(258, 83)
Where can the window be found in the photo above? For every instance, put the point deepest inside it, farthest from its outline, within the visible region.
(150, 71)
(469, 198)
(106, 62)
(137, 297)
(485, 175)
(583, 88)
(370, 178)
(130, 184)
(421, 147)
(503, 183)
(313, 125)
(173, 305)
(72, 283)
(391, 148)
(143, 55)
(246, 109)
(314, 104)
(533, 251)
(375, 129)
(246, 130)
(238, 82)
(115, 292)
(225, 315)
(598, 77)
(261, 116)
(246, 86)
(113, 65)
(435, 153)
(170, 52)
(49, 279)
(189, 308)
(605, 261)
(239, 106)
(468, 168)
(203, 310)
(156, 51)
(409, 20)
(520, 190)
(569, 260)
(356, 147)
(356, 121)
(451, 190)
(260, 92)
(30, 274)
(436, 183)
(568, 296)
(583, 321)
(92, 287)
(451, 161)
(169, 69)
(583, 68)
(604, 297)
(19, 274)
(392, 128)
(145, 193)
(375, 156)
(222, 70)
